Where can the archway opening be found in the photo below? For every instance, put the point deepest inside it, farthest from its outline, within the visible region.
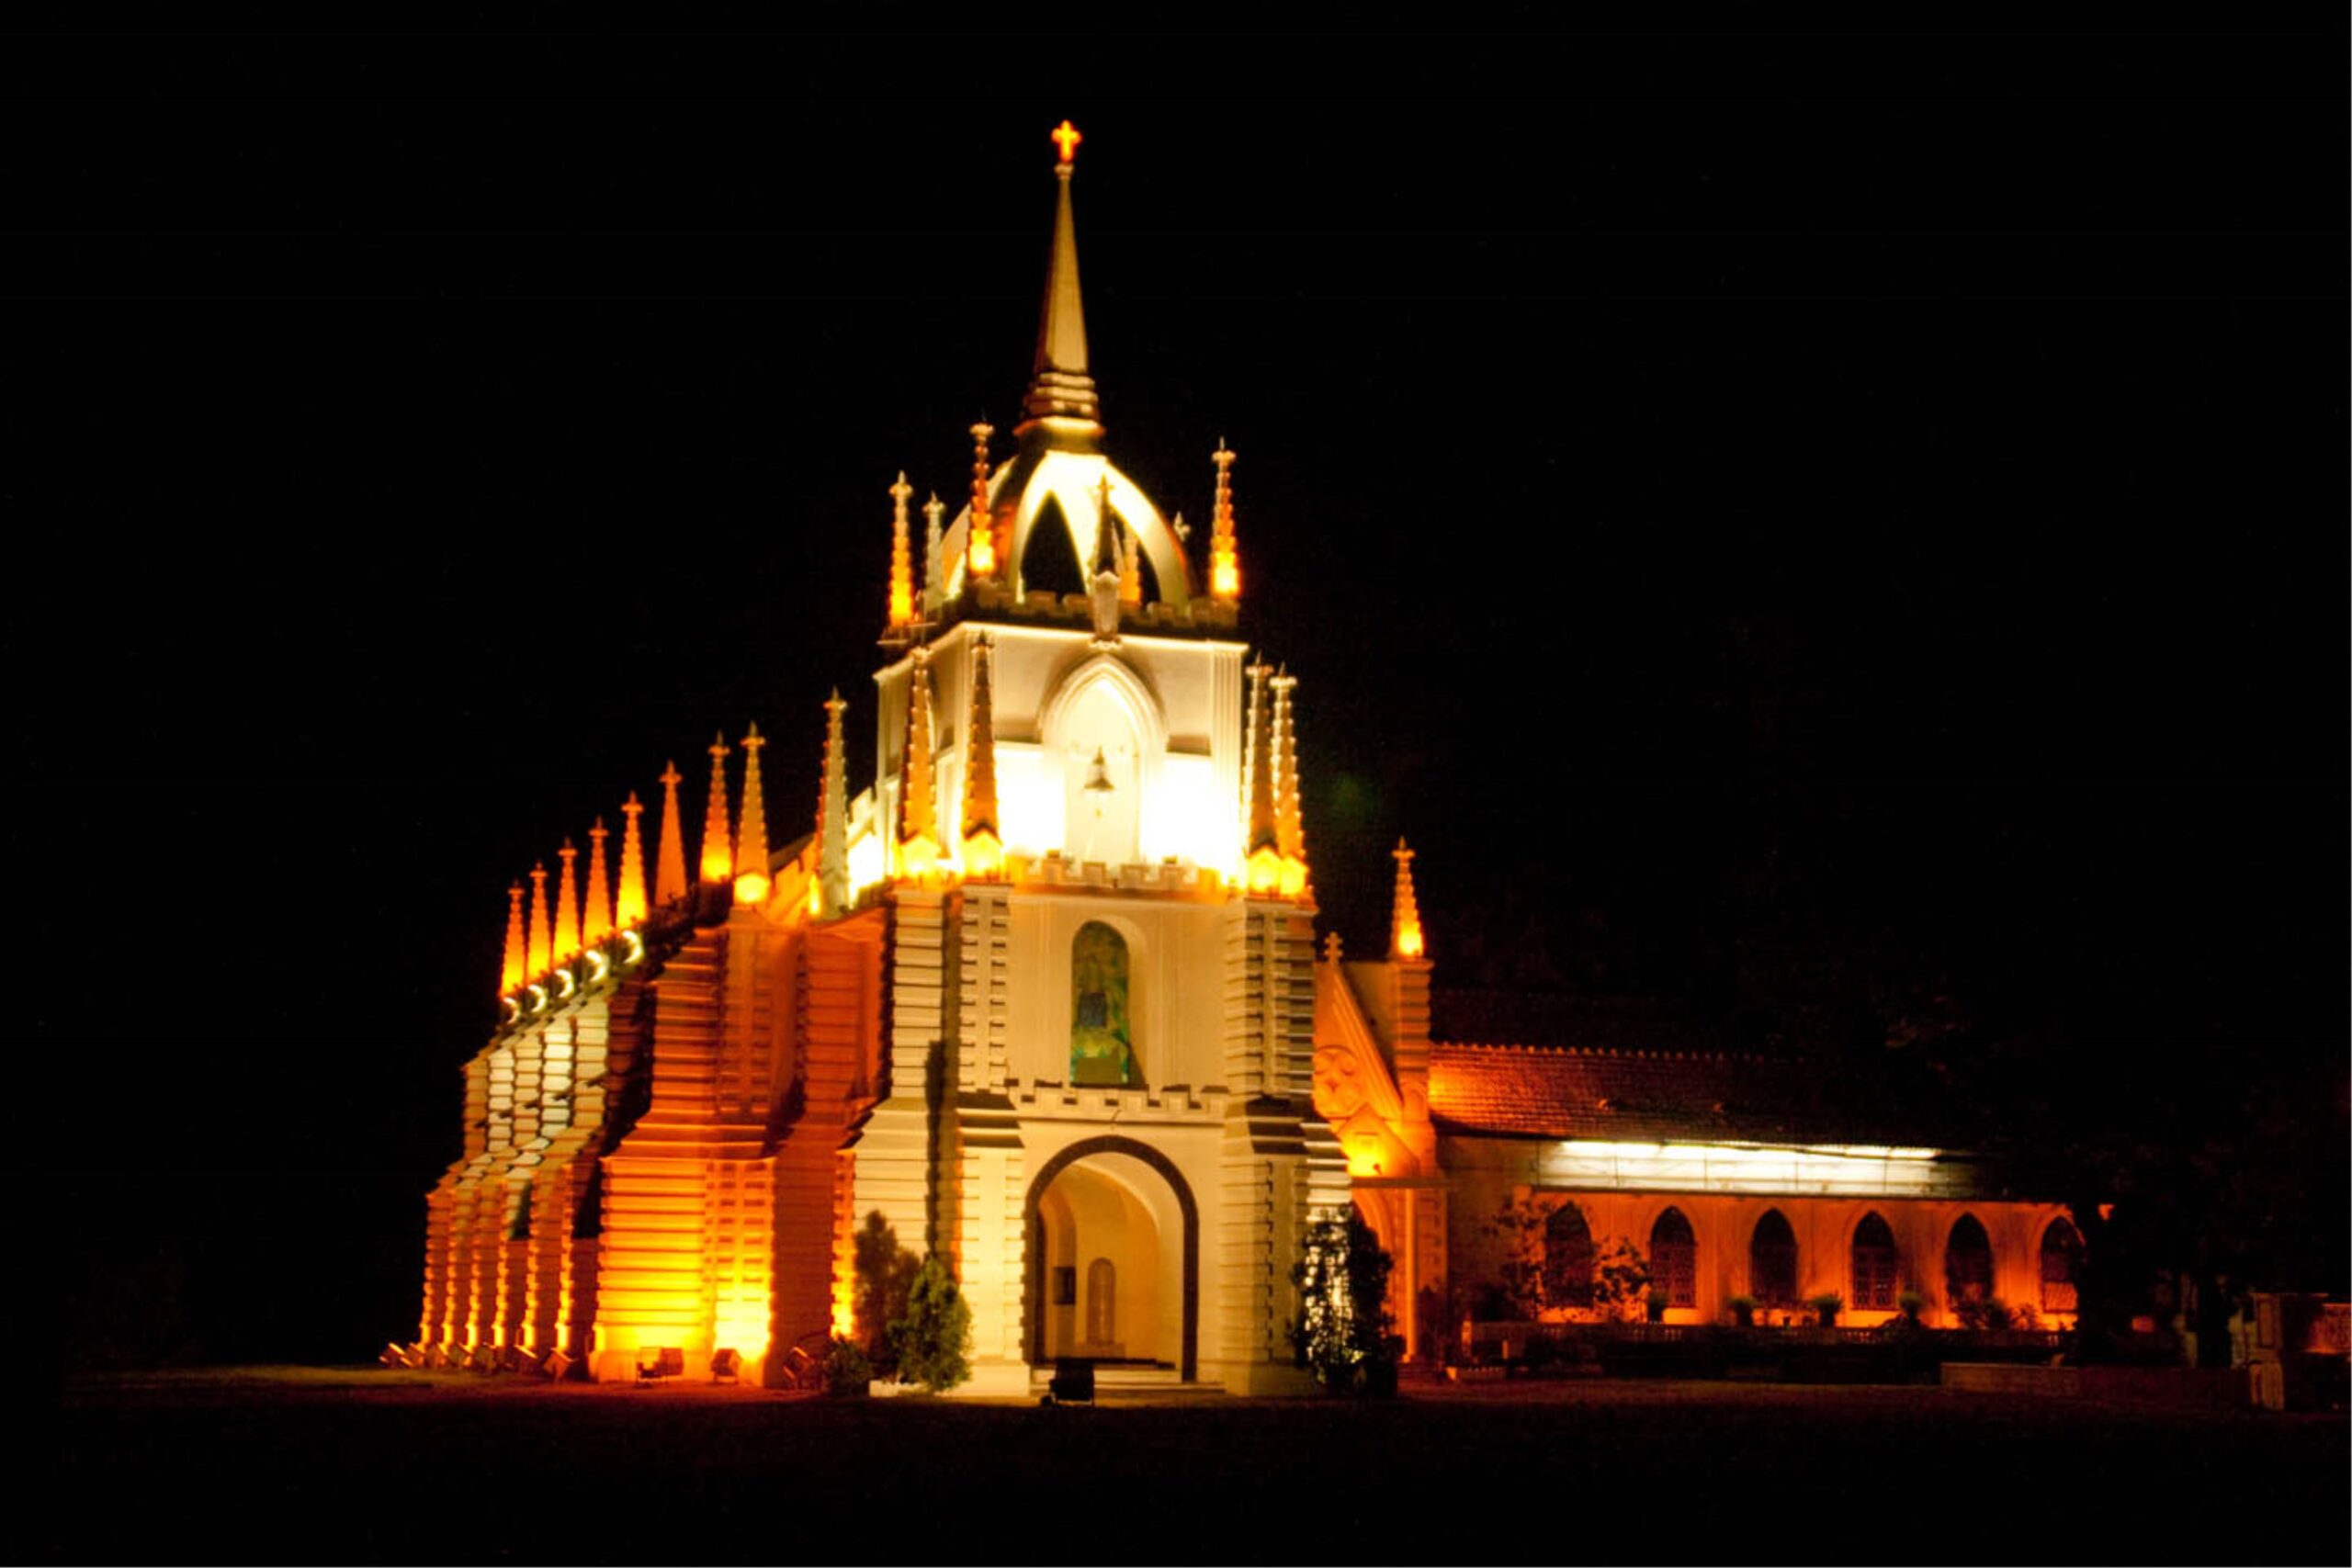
(1113, 1245)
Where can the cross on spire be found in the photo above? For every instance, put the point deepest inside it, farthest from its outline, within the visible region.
(1066, 137)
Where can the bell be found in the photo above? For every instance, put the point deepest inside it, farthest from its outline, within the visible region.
(1098, 778)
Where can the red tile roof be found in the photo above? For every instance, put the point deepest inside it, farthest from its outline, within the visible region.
(1637, 1096)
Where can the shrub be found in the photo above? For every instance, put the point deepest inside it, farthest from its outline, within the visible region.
(884, 1272)
(847, 1371)
(1342, 1333)
(935, 1336)
(1990, 1312)
(1743, 1309)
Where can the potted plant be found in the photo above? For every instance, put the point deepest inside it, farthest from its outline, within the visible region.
(1827, 1305)
(1743, 1311)
(1910, 1303)
(1656, 1304)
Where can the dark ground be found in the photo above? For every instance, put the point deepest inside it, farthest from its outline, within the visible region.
(287, 1464)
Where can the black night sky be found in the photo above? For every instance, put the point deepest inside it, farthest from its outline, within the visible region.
(1796, 533)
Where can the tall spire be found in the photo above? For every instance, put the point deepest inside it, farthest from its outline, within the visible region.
(567, 904)
(630, 909)
(596, 915)
(1404, 918)
(918, 806)
(1264, 858)
(510, 968)
(1290, 831)
(1224, 562)
(670, 872)
(983, 848)
(717, 857)
(980, 522)
(1060, 387)
(832, 818)
(902, 566)
(752, 842)
(542, 957)
(934, 565)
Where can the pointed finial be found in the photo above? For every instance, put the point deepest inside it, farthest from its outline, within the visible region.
(1290, 830)
(1106, 528)
(752, 842)
(918, 804)
(1330, 947)
(831, 891)
(979, 523)
(1224, 561)
(630, 910)
(1130, 569)
(934, 565)
(902, 566)
(510, 969)
(983, 846)
(1265, 845)
(597, 914)
(1404, 918)
(542, 957)
(567, 905)
(1060, 387)
(717, 857)
(670, 868)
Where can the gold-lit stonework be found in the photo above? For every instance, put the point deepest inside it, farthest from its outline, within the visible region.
(1045, 993)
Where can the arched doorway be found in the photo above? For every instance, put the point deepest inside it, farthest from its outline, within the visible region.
(1114, 1273)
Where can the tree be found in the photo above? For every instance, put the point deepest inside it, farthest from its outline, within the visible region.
(1343, 1333)
(935, 1333)
(1620, 1284)
(1611, 1279)
(884, 1274)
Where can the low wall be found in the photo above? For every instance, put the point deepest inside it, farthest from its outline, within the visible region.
(2186, 1388)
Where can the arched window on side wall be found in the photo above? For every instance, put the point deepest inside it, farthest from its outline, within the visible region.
(1567, 1258)
(1875, 1266)
(1101, 1048)
(2062, 1259)
(1773, 1261)
(1968, 1262)
(1674, 1260)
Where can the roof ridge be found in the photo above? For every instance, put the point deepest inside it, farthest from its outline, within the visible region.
(1621, 1051)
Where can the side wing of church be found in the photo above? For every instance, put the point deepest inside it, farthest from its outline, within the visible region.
(1046, 998)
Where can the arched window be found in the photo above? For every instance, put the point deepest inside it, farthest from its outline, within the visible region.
(1674, 1260)
(1102, 1051)
(1875, 1266)
(1567, 1258)
(2062, 1256)
(1773, 1261)
(1968, 1262)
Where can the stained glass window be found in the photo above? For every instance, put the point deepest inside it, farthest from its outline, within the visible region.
(1102, 1051)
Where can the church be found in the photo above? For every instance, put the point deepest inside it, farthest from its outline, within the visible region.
(1048, 997)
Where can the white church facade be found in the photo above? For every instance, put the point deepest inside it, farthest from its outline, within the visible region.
(1048, 999)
